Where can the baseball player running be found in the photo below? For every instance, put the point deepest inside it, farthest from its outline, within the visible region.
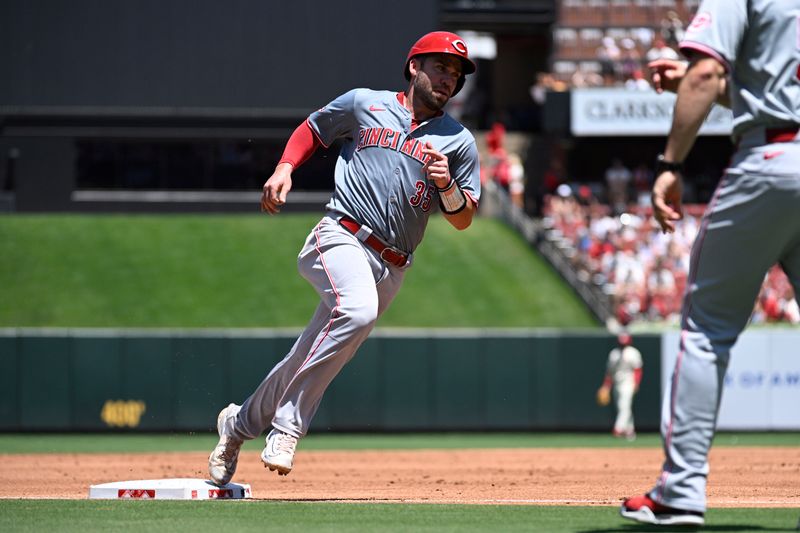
(402, 158)
(746, 54)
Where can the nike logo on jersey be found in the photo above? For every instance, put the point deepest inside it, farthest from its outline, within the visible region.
(770, 155)
(373, 108)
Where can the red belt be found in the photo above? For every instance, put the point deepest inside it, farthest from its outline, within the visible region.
(781, 135)
(388, 254)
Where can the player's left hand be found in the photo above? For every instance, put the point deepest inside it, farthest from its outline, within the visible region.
(436, 167)
(603, 396)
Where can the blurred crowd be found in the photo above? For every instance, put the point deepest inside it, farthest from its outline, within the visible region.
(611, 56)
(606, 227)
(503, 166)
(642, 270)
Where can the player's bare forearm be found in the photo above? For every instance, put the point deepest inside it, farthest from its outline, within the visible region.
(697, 92)
(463, 218)
(701, 86)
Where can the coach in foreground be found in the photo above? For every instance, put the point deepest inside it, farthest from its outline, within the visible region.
(746, 54)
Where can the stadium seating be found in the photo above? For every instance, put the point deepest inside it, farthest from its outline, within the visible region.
(631, 24)
(643, 271)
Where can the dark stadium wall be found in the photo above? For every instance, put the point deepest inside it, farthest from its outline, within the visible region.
(85, 79)
(177, 381)
(284, 56)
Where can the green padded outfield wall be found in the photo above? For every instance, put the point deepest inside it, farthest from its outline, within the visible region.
(107, 380)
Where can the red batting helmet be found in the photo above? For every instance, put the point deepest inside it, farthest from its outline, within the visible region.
(442, 42)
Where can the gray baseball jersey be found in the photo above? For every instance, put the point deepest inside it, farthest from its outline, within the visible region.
(759, 43)
(379, 179)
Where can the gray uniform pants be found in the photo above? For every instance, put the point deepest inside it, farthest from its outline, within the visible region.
(355, 288)
(752, 223)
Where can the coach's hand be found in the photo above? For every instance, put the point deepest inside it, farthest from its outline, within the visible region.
(666, 198)
(666, 74)
(276, 188)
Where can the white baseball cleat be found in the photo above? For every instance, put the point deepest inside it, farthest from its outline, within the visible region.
(222, 461)
(278, 454)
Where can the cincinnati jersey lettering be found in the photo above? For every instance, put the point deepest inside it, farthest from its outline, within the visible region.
(390, 139)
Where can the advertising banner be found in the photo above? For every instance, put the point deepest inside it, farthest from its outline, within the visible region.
(623, 112)
(762, 384)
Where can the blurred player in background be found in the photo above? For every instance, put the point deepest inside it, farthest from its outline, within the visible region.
(744, 54)
(402, 159)
(623, 376)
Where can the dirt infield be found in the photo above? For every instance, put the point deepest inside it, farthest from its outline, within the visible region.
(740, 477)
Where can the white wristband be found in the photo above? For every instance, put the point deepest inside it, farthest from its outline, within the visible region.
(452, 198)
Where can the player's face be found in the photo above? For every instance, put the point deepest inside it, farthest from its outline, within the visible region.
(436, 79)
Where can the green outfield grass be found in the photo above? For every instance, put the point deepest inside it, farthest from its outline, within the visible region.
(231, 516)
(240, 271)
(175, 442)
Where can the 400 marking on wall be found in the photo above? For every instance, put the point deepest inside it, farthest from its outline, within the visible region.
(123, 413)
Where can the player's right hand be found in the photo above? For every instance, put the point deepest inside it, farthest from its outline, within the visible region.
(436, 167)
(276, 188)
(666, 199)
